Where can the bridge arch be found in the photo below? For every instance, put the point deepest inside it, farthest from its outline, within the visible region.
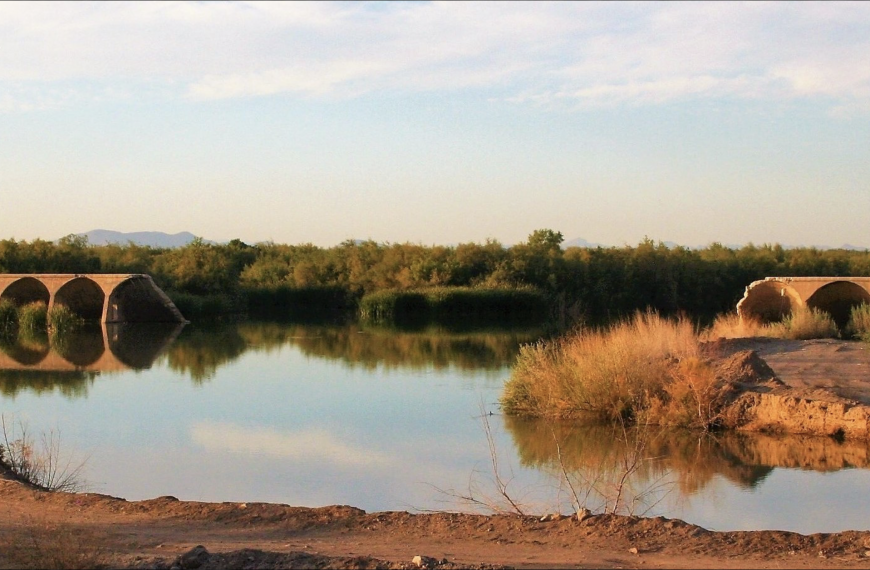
(837, 299)
(769, 302)
(138, 301)
(83, 296)
(26, 290)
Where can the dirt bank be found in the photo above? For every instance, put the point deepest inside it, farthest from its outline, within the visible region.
(815, 387)
(84, 530)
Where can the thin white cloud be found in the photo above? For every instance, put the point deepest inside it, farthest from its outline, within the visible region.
(305, 445)
(544, 53)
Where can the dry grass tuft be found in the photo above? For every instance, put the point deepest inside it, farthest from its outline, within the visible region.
(644, 369)
(859, 322)
(805, 323)
(731, 325)
(52, 546)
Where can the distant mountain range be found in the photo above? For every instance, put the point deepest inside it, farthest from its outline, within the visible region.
(160, 239)
(580, 242)
(153, 239)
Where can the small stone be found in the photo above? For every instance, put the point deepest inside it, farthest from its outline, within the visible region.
(633, 550)
(552, 517)
(243, 505)
(194, 558)
(583, 514)
(867, 553)
(424, 561)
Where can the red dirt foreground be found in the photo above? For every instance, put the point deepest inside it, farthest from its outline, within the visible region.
(42, 529)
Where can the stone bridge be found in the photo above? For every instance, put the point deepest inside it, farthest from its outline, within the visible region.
(109, 298)
(772, 298)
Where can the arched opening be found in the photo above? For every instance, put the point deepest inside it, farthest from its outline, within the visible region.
(768, 302)
(83, 297)
(137, 301)
(26, 290)
(837, 299)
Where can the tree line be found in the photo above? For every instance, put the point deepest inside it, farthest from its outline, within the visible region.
(592, 284)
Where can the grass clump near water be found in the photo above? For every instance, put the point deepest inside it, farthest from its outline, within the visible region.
(62, 319)
(8, 317)
(33, 317)
(644, 370)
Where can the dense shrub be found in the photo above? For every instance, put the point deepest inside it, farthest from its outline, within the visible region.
(647, 369)
(805, 323)
(859, 322)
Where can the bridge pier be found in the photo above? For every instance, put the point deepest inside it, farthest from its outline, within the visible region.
(109, 298)
(773, 298)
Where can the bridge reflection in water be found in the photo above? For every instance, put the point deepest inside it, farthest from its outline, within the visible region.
(104, 347)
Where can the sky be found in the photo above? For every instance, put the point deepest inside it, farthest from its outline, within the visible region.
(438, 123)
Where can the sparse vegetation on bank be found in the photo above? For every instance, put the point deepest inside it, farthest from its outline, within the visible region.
(41, 464)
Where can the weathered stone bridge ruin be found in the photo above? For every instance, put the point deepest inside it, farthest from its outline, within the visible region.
(772, 298)
(109, 298)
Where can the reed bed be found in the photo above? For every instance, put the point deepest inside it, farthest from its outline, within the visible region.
(453, 304)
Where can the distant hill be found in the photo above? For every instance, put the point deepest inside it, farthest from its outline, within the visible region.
(153, 239)
(580, 242)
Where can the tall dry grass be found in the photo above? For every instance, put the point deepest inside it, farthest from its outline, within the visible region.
(859, 322)
(647, 369)
(803, 323)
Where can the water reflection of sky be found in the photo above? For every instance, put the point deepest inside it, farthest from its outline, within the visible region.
(286, 425)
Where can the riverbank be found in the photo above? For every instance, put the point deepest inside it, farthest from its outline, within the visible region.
(84, 529)
(91, 529)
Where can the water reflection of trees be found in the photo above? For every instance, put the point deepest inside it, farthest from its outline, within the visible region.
(693, 458)
(372, 347)
(200, 351)
(70, 383)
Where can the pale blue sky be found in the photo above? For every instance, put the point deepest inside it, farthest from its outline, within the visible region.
(440, 123)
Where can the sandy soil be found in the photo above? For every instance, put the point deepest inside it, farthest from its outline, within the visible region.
(85, 530)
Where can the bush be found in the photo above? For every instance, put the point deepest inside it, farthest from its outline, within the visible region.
(284, 301)
(859, 322)
(805, 323)
(451, 305)
(392, 306)
(647, 369)
(205, 306)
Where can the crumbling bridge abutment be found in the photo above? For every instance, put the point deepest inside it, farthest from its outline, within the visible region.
(773, 298)
(109, 298)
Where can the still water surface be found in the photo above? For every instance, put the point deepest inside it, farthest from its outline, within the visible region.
(317, 415)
